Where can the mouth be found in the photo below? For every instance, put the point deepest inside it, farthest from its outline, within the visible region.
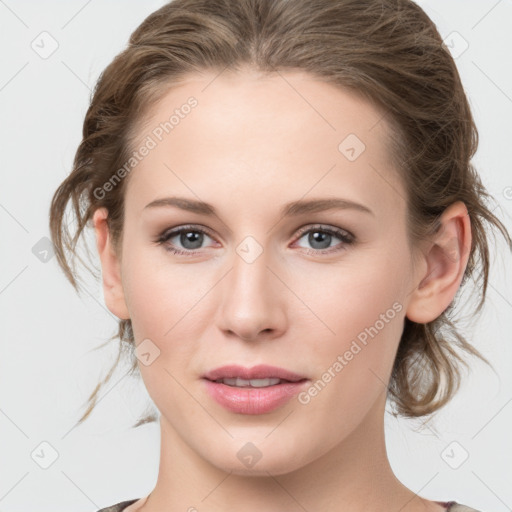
(258, 390)
(258, 376)
(253, 383)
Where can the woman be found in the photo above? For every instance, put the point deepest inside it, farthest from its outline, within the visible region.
(284, 210)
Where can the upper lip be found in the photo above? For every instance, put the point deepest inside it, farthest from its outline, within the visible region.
(261, 371)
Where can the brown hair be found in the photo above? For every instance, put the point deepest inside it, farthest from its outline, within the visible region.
(389, 51)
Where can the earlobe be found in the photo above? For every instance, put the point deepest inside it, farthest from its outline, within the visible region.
(110, 265)
(446, 259)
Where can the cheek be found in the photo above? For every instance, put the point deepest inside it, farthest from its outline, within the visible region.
(361, 308)
(331, 301)
(353, 365)
(351, 297)
(159, 292)
(160, 297)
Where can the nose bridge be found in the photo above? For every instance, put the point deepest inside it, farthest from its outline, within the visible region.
(251, 296)
(250, 273)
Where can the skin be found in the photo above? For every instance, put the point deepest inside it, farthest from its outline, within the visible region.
(253, 144)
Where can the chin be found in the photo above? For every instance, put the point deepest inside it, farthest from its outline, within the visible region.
(240, 463)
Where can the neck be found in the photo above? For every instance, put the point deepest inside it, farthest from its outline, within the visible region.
(353, 475)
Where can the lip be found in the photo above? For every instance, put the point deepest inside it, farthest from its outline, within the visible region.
(261, 371)
(249, 400)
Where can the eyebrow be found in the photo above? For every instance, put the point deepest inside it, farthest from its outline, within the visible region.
(294, 208)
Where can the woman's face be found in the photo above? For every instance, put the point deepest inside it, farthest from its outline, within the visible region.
(320, 292)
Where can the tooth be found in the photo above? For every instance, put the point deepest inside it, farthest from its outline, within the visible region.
(256, 383)
(229, 382)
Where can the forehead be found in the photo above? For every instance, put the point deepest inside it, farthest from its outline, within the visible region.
(248, 131)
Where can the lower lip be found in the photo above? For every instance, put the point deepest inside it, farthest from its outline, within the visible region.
(253, 400)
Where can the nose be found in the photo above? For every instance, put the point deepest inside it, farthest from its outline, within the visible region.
(252, 305)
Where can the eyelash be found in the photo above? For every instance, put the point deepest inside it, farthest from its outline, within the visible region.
(346, 237)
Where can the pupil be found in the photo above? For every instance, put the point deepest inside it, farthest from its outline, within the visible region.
(323, 238)
(189, 236)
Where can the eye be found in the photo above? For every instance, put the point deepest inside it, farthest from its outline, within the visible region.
(320, 238)
(190, 237)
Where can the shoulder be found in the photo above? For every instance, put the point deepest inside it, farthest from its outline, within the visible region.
(118, 506)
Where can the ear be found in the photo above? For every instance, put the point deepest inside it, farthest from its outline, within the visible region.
(110, 265)
(445, 261)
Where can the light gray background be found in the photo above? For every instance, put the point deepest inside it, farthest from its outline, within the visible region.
(46, 368)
